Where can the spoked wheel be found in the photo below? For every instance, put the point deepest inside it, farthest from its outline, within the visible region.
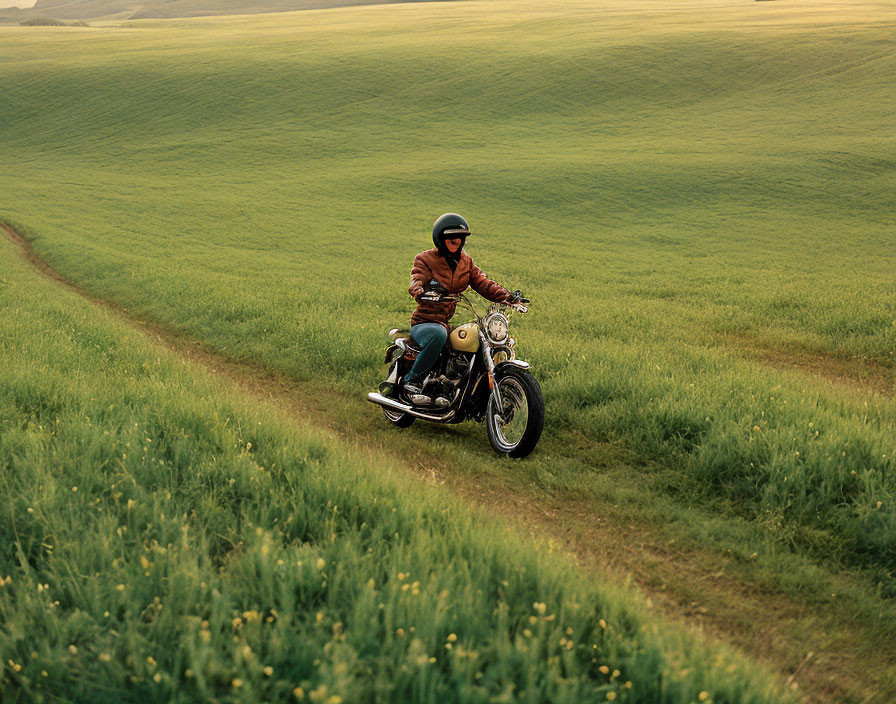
(516, 431)
(397, 418)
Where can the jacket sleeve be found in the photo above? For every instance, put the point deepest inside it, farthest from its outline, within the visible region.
(420, 274)
(485, 287)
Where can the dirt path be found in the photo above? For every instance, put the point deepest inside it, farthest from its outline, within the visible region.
(687, 585)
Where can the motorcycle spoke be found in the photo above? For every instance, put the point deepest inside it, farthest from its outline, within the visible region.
(511, 425)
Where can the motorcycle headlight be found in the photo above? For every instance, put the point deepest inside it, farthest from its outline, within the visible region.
(496, 327)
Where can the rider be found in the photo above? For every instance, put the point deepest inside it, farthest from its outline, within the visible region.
(445, 270)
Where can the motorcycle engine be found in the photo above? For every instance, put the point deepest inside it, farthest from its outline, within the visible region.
(456, 368)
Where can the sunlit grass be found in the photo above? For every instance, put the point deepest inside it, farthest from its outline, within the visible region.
(658, 181)
(164, 539)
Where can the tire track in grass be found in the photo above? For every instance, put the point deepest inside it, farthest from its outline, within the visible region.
(862, 374)
(691, 585)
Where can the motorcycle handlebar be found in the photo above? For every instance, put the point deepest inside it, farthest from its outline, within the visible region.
(519, 304)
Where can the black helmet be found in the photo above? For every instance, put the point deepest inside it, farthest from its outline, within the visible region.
(449, 225)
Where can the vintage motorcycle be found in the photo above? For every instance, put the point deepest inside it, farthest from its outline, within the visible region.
(477, 376)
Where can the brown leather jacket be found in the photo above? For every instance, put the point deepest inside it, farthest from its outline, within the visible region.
(430, 265)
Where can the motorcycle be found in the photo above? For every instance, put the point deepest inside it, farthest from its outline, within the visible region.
(477, 377)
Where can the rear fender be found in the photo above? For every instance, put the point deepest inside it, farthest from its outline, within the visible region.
(390, 352)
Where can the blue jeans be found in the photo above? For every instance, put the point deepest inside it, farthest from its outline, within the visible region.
(431, 338)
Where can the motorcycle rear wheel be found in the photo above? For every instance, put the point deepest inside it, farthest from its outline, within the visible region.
(516, 433)
(397, 418)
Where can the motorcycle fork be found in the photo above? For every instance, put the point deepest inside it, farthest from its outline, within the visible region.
(490, 366)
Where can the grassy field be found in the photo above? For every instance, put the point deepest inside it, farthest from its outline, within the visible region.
(699, 199)
(166, 540)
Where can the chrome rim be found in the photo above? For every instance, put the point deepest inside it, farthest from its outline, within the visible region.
(510, 429)
(392, 415)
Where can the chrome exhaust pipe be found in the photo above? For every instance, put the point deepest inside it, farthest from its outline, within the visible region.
(381, 400)
(374, 397)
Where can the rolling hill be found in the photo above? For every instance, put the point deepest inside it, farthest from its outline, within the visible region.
(698, 197)
(158, 9)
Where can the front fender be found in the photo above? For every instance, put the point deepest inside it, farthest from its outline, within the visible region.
(520, 364)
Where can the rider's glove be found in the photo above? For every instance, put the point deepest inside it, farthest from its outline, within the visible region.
(517, 297)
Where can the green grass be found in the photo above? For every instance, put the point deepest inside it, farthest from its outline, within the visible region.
(670, 184)
(263, 183)
(166, 540)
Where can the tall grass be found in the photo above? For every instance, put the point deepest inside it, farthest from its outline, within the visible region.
(163, 539)
(657, 179)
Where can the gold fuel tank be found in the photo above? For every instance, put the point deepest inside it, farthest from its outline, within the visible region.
(465, 338)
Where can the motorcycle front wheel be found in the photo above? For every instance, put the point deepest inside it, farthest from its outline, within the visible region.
(516, 432)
